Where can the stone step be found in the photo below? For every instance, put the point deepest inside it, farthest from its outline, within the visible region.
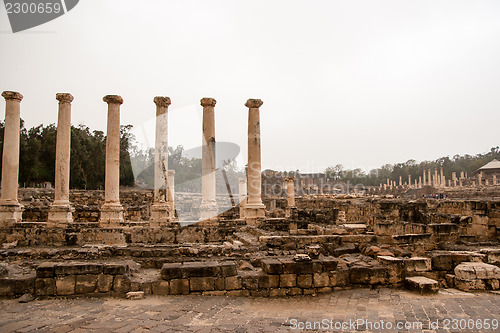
(422, 284)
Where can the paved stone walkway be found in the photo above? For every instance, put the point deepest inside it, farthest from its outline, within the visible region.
(344, 311)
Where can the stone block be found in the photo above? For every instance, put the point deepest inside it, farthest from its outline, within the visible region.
(77, 268)
(259, 293)
(294, 291)
(65, 285)
(422, 284)
(329, 264)
(45, 270)
(86, 284)
(250, 280)
(135, 295)
(324, 290)
(200, 269)
(232, 283)
(301, 267)
(269, 281)
(228, 268)
(321, 280)
(219, 283)
(442, 262)
(104, 283)
(340, 277)
(288, 280)
(214, 293)
(238, 293)
(360, 275)
(304, 281)
(45, 286)
(469, 271)
(160, 287)
(116, 269)
(121, 284)
(417, 264)
(277, 292)
(202, 283)
(272, 266)
(171, 271)
(179, 286)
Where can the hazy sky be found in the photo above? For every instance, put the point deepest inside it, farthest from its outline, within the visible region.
(360, 83)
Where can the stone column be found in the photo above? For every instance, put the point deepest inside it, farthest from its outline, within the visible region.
(420, 185)
(242, 190)
(208, 208)
(409, 180)
(290, 191)
(400, 180)
(480, 179)
(112, 210)
(61, 211)
(10, 209)
(424, 182)
(494, 179)
(254, 208)
(429, 178)
(160, 210)
(460, 182)
(436, 180)
(171, 193)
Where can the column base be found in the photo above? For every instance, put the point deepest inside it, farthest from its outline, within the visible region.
(291, 213)
(255, 210)
(60, 215)
(111, 215)
(10, 212)
(160, 214)
(208, 211)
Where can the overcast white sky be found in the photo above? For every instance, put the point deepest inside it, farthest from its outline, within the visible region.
(360, 83)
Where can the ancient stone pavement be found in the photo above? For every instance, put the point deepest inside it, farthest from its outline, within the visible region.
(340, 311)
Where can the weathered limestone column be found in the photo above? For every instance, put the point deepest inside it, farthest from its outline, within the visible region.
(400, 180)
(11, 210)
(424, 182)
(112, 210)
(208, 208)
(460, 182)
(416, 183)
(160, 210)
(436, 179)
(409, 180)
(171, 193)
(290, 191)
(420, 181)
(429, 178)
(494, 179)
(480, 179)
(254, 207)
(61, 211)
(443, 179)
(242, 195)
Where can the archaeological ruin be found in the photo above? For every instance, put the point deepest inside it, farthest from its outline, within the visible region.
(308, 238)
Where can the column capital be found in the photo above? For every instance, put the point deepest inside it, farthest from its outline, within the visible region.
(290, 179)
(113, 99)
(8, 95)
(254, 103)
(162, 101)
(64, 97)
(208, 101)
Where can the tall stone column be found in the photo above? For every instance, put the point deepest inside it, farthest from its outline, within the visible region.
(112, 210)
(429, 178)
(61, 211)
(436, 182)
(409, 180)
(290, 191)
(494, 179)
(242, 195)
(254, 208)
(160, 210)
(443, 180)
(171, 193)
(208, 208)
(424, 183)
(10, 209)
(400, 180)
(420, 185)
(480, 179)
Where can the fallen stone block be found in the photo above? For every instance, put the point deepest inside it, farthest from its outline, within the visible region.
(422, 284)
(135, 295)
(417, 264)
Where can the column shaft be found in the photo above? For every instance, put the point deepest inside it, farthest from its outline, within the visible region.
(61, 212)
(254, 208)
(10, 208)
(208, 208)
(112, 210)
